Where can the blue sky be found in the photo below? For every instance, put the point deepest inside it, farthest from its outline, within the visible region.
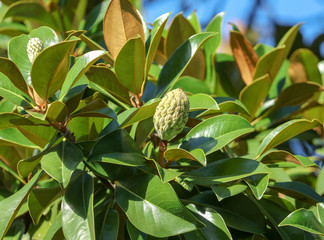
(283, 12)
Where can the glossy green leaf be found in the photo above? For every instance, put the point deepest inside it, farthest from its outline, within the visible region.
(304, 220)
(61, 161)
(297, 190)
(107, 79)
(284, 132)
(107, 225)
(10, 206)
(227, 105)
(192, 85)
(77, 209)
(288, 39)
(12, 29)
(96, 108)
(202, 101)
(36, 12)
(304, 62)
(226, 170)
(254, 94)
(320, 212)
(9, 91)
(214, 133)
(26, 166)
(13, 135)
(17, 48)
(10, 69)
(54, 228)
(270, 63)
(86, 128)
(258, 184)
(276, 213)
(215, 225)
(238, 212)
(118, 148)
(73, 97)
(176, 154)
(81, 65)
(225, 190)
(276, 156)
(153, 40)
(295, 95)
(179, 60)
(40, 199)
(57, 111)
(50, 68)
(129, 65)
(319, 187)
(139, 114)
(153, 207)
(165, 174)
(9, 120)
(194, 21)
(179, 31)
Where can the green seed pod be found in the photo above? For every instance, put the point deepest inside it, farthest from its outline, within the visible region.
(171, 114)
(34, 47)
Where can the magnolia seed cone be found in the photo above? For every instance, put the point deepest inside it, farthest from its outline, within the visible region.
(171, 114)
(34, 47)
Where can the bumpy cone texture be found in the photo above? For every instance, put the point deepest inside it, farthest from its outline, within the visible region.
(34, 47)
(171, 114)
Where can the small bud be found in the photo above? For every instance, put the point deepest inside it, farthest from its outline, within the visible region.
(171, 114)
(34, 47)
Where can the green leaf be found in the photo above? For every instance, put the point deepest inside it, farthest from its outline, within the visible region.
(118, 148)
(86, 128)
(153, 41)
(179, 60)
(284, 132)
(107, 225)
(304, 220)
(139, 114)
(226, 170)
(297, 190)
(304, 62)
(10, 206)
(194, 21)
(17, 48)
(40, 199)
(192, 85)
(179, 31)
(227, 105)
(106, 78)
(238, 211)
(61, 161)
(288, 39)
(73, 97)
(225, 190)
(129, 65)
(215, 225)
(50, 68)
(54, 228)
(26, 166)
(57, 112)
(295, 95)
(77, 209)
(270, 63)
(166, 175)
(319, 187)
(320, 211)
(153, 207)
(13, 135)
(9, 91)
(214, 133)
(253, 95)
(258, 184)
(9, 120)
(36, 12)
(202, 101)
(81, 65)
(10, 69)
(176, 154)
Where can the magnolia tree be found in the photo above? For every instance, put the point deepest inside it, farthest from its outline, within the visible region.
(158, 137)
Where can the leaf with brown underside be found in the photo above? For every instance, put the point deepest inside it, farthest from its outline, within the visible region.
(245, 56)
(121, 23)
